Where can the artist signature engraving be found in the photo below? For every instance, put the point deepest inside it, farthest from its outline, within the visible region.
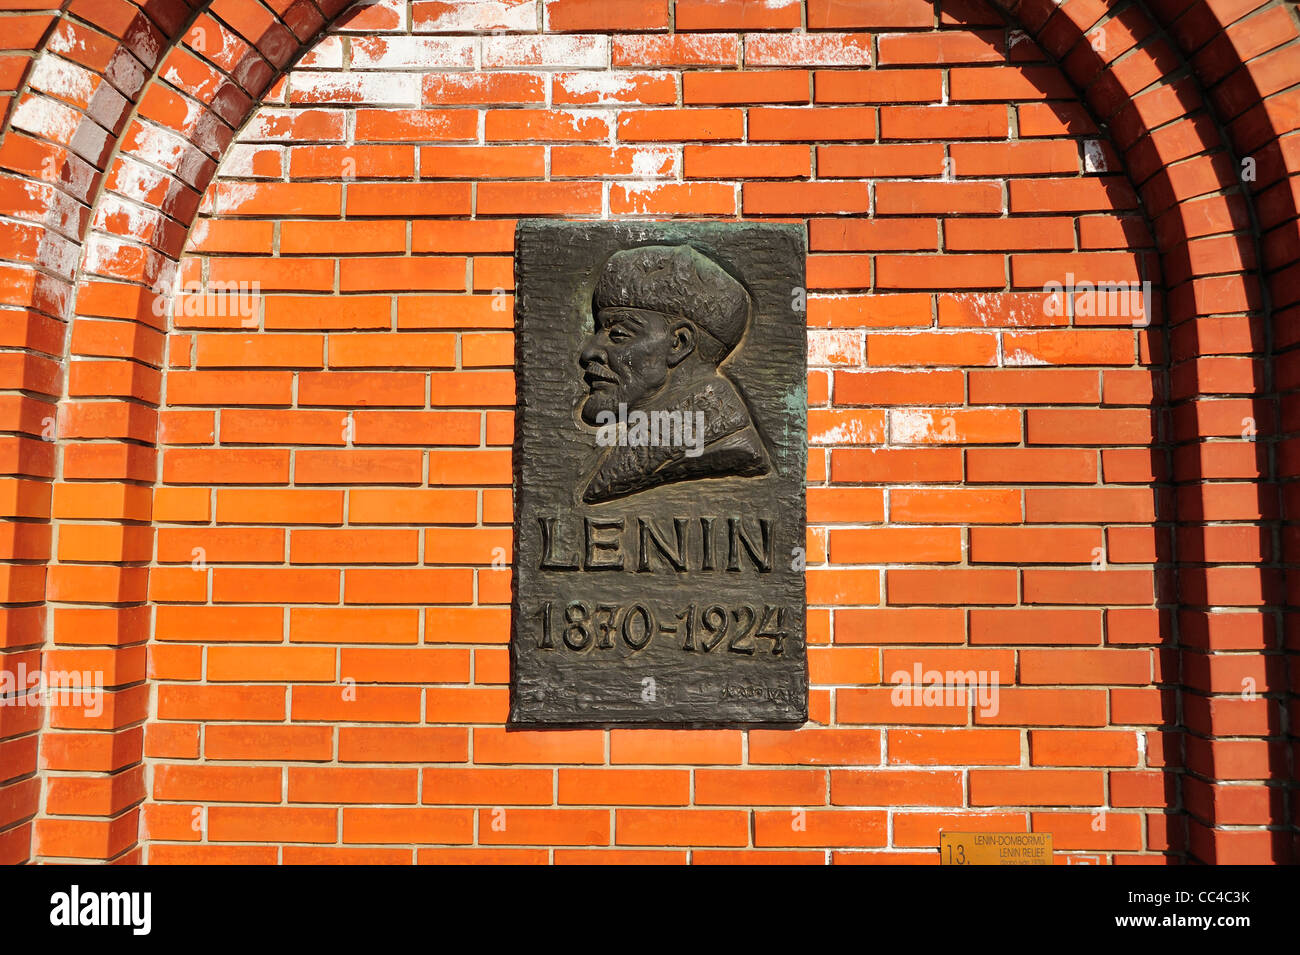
(757, 691)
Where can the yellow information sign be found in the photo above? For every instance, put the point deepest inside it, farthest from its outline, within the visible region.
(995, 848)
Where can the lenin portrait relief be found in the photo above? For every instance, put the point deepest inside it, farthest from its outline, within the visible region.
(659, 465)
(666, 319)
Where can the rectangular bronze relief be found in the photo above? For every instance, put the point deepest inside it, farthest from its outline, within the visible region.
(660, 453)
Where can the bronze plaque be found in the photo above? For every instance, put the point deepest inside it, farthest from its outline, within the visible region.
(660, 453)
(995, 848)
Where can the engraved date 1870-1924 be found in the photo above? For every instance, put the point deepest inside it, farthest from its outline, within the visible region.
(580, 626)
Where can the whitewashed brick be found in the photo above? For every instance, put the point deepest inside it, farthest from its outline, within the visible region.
(835, 347)
(474, 16)
(325, 55)
(807, 49)
(398, 89)
(412, 52)
(575, 51)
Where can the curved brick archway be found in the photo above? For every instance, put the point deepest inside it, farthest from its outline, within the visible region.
(113, 135)
(1227, 294)
(89, 238)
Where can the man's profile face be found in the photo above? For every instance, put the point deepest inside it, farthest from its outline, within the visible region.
(627, 359)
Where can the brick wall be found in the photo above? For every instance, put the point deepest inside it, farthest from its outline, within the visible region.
(283, 534)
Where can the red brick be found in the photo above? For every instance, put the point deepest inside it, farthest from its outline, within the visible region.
(1035, 787)
(948, 46)
(740, 162)
(674, 125)
(738, 15)
(510, 198)
(943, 122)
(951, 586)
(606, 15)
(679, 49)
(623, 787)
(1083, 748)
(815, 747)
(955, 505)
(804, 124)
(878, 86)
(725, 88)
(895, 788)
(954, 747)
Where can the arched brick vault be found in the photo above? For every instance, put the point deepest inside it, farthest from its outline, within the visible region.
(99, 199)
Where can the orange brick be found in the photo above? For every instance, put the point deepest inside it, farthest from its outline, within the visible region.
(497, 787)
(895, 545)
(956, 505)
(403, 744)
(1042, 707)
(1035, 787)
(273, 506)
(681, 827)
(675, 125)
(838, 747)
(270, 664)
(217, 783)
(675, 746)
(222, 702)
(624, 787)
(359, 704)
(611, 15)
(954, 747)
(1034, 545)
(358, 467)
(272, 824)
(413, 585)
(760, 787)
(268, 742)
(811, 124)
(738, 15)
(539, 125)
(575, 827)
(405, 826)
(879, 86)
(727, 87)
(886, 625)
(423, 273)
(895, 706)
(1034, 625)
(840, 827)
(335, 786)
(495, 745)
(1082, 748)
(894, 787)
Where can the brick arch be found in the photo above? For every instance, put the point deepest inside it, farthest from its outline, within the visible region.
(112, 349)
(108, 146)
(1190, 90)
